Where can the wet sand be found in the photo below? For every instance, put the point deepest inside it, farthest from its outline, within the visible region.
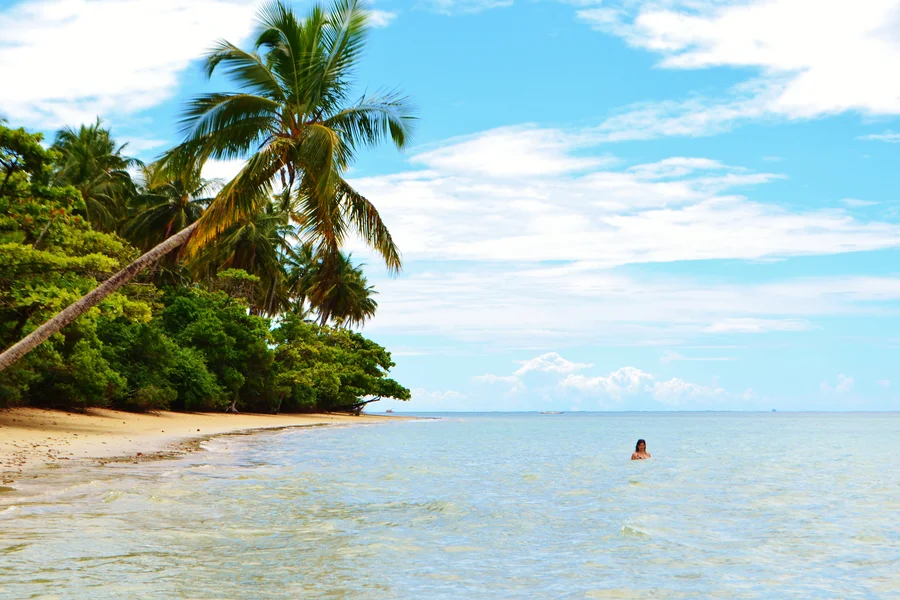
(32, 438)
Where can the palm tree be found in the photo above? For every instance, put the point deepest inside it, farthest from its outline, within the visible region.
(163, 206)
(338, 292)
(295, 125)
(298, 265)
(91, 162)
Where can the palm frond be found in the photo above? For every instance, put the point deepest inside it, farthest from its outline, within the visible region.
(375, 119)
(210, 113)
(246, 69)
(243, 196)
(367, 221)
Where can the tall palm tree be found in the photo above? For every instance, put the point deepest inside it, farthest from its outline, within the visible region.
(91, 162)
(338, 292)
(296, 125)
(297, 128)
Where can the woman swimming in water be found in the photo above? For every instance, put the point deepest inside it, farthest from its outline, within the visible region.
(640, 451)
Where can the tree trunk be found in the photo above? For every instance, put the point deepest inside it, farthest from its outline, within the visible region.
(92, 298)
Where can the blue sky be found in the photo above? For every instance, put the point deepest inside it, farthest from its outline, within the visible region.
(617, 205)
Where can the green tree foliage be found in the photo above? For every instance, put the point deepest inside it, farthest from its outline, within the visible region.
(91, 162)
(185, 347)
(49, 257)
(339, 292)
(233, 342)
(195, 333)
(160, 374)
(296, 123)
(329, 369)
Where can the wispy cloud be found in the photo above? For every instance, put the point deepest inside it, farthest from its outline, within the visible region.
(60, 39)
(812, 59)
(422, 395)
(551, 362)
(381, 18)
(843, 385)
(500, 244)
(513, 305)
(755, 325)
(855, 203)
(887, 136)
(670, 357)
(464, 6)
(534, 194)
(631, 381)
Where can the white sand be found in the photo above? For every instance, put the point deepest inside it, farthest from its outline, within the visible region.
(31, 438)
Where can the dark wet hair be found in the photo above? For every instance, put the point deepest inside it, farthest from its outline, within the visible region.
(639, 442)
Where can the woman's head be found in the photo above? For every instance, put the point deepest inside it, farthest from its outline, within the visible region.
(641, 446)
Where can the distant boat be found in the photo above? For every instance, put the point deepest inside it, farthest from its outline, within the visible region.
(390, 410)
(550, 412)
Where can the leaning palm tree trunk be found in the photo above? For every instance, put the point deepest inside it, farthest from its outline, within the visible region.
(92, 298)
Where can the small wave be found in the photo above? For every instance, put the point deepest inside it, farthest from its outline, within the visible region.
(14, 548)
(462, 549)
(614, 593)
(632, 532)
(113, 496)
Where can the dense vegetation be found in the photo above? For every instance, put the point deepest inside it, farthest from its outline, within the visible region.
(254, 313)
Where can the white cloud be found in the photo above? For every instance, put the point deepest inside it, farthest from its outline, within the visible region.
(677, 392)
(466, 6)
(670, 357)
(550, 362)
(887, 136)
(421, 395)
(753, 325)
(512, 304)
(531, 194)
(885, 383)
(105, 57)
(844, 384)
(627, 380)
(511, 152)
(225, 170)
(631, 381)
(138, 146)
(813, 58)
(381, 18)
(855, 203)
(678, 166)
(694, 117)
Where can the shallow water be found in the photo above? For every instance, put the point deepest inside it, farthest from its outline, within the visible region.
(733, 505)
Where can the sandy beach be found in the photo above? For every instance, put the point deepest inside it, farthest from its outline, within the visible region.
(31, 438)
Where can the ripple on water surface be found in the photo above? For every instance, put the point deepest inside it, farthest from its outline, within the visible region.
(479, 506)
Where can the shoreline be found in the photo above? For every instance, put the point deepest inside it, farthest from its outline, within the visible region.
(33, 439)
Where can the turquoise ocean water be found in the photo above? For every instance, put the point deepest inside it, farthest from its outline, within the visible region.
(733, 505)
